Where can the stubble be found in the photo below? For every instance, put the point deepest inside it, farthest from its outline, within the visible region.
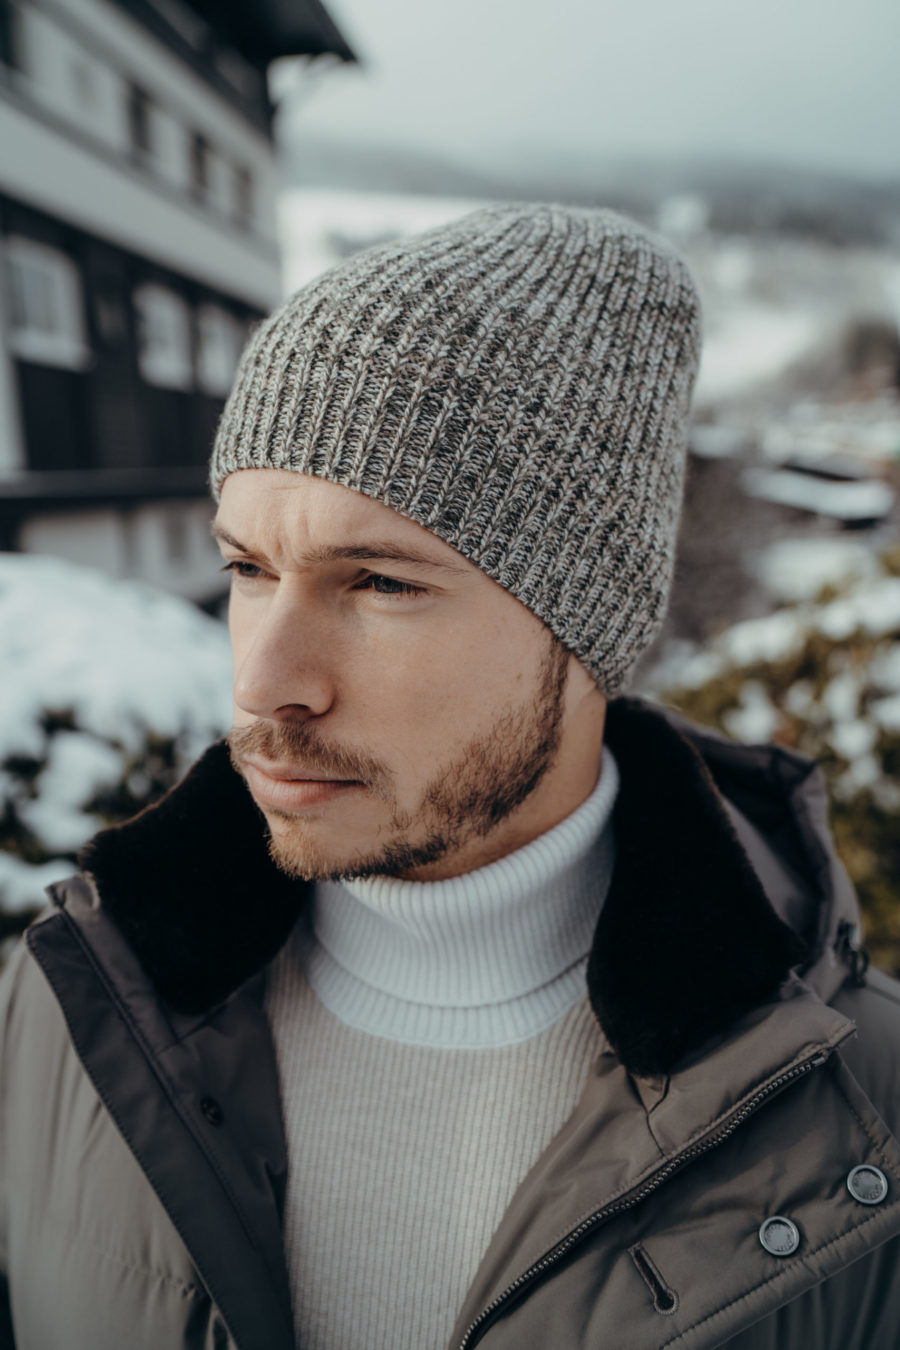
(464, 800)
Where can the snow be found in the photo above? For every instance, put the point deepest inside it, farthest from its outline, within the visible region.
(60, 828)
(840, 698)
(756, 718)
(732, 266)
(860, 701)
(866, 500)
(749, 345)
(22, 887)
(318, 226)
(797, 569)
(78, 766)
(714, 440)
(122, 662)
(122, 656)
(800, 699)
(874, 609)
(683, 214)
(865, 432)
(768, 639)
(853, 740)
(886, 711)
(864, 772)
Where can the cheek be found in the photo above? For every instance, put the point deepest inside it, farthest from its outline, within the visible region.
(406, 699)
(449, 687)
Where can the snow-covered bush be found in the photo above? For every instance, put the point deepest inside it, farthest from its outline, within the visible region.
(823, 676)
(110, 690)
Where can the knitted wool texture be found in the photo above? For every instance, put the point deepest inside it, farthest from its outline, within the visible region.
(517, 382)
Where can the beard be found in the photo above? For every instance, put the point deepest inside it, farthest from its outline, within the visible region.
(464, 800)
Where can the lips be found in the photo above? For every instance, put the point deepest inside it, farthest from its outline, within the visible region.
(293, 773)
(277, 786)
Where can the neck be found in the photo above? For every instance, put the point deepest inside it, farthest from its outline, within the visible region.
(489, 957)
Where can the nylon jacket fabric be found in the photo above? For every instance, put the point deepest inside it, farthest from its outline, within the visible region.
(142, 1151)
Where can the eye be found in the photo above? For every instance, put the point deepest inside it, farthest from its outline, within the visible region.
(389, 586)
(239, 568)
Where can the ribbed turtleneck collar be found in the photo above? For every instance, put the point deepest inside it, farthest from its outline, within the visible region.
(488, 958)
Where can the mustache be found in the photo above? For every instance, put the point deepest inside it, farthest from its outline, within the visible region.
(296, 742)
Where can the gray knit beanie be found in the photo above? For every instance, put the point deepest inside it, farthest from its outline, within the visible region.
(518, 382)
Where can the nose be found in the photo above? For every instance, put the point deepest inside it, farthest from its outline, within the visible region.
(280, 660)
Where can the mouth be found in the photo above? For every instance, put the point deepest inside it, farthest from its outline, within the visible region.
(291, 787)
(294, 773)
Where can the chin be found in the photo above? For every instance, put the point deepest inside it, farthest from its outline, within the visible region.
(298, 855)
(296, 851)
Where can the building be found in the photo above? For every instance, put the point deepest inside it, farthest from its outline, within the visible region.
(137, 229)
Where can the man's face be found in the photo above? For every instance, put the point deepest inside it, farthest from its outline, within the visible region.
(397, 712)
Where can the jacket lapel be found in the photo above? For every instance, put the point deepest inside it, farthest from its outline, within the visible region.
(197, 1101)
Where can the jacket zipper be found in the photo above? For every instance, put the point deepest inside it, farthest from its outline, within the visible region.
(627, 1202)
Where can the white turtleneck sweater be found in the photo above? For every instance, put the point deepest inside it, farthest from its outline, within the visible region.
(431, 1038)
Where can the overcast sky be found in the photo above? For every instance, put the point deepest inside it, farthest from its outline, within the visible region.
(815, 82)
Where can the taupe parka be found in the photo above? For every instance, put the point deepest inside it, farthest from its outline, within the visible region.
(704, 1192)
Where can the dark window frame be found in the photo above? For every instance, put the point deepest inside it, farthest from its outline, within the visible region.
(200, 157)
(244, 194)
(12, 45)
(140, 127)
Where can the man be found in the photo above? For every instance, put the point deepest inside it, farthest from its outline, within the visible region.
(458, 999)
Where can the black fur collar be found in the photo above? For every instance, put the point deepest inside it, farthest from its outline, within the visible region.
(687, 941)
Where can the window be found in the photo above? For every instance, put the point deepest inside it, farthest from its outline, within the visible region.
(243, 196)
(200, 175)
(163, 337)
(46, 306)
(140, 115)
(220, 337)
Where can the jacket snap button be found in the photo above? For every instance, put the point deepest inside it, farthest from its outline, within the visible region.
(212, 1110)
(779, 1236)
(867, 1184)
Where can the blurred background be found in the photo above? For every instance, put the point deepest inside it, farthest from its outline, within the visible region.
(170, 168)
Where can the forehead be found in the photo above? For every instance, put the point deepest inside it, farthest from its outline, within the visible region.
(282, 508)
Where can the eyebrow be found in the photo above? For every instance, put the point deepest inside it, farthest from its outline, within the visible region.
(374, 551)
